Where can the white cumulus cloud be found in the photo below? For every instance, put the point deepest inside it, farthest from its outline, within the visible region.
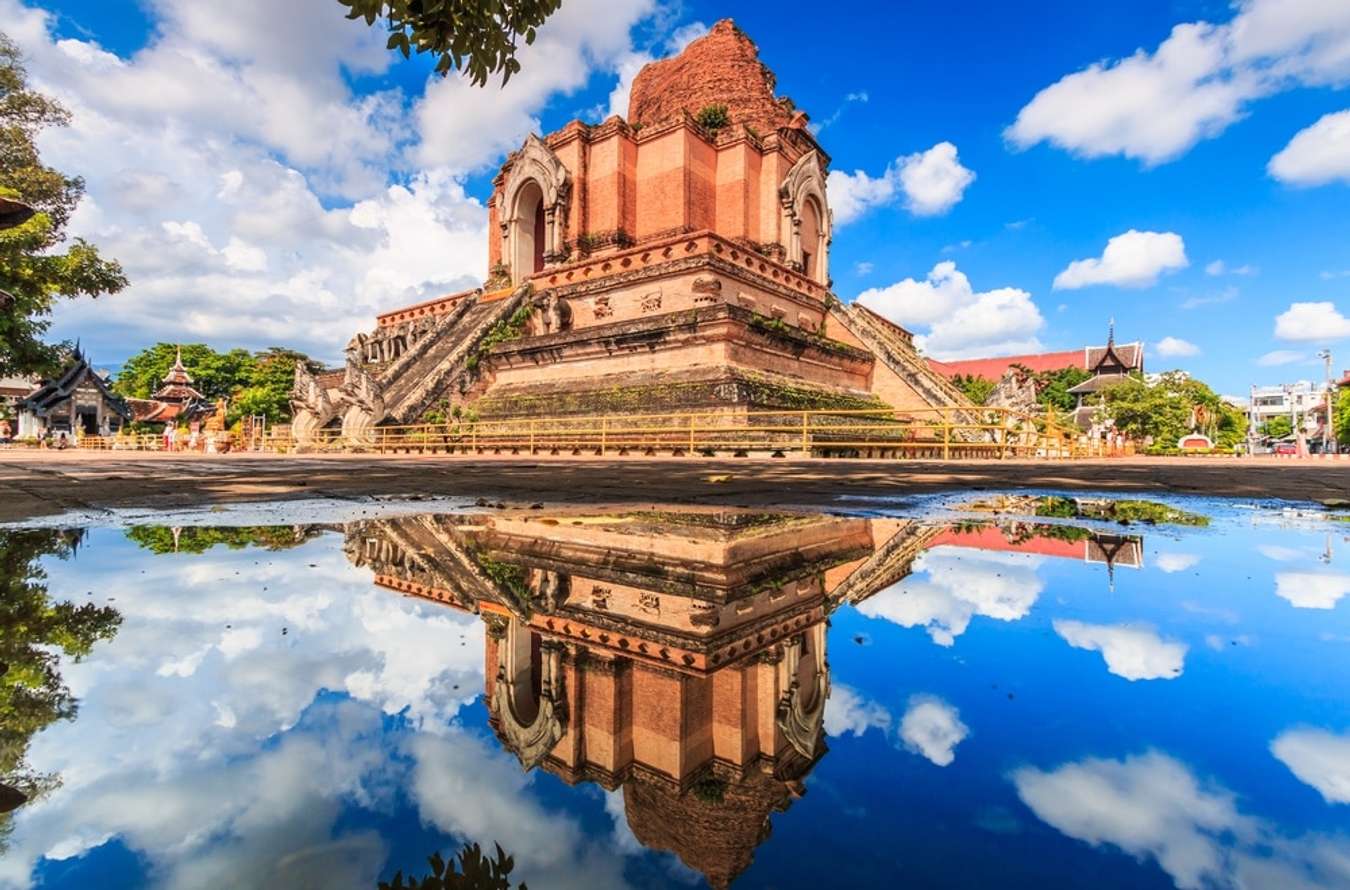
(1147, 805)
(848, 711)
(1319, 758)
(953, 320)
(1317, 155)
(1177, 562)
(1312, 590)
(1175, 347)
(1131, 259)
(1135, 653)
(1278, 357)
(1153, 106)
(951, 585)
(1312, 321)
(929, 182)
(932, 728)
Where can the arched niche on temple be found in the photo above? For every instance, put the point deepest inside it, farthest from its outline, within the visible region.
(805, 681)
(534, 210)
(806, 218)
(528, 698)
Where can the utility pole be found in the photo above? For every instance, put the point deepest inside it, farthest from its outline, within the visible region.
(1325, 356)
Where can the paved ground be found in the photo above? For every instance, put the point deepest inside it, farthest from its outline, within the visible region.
(41, 483)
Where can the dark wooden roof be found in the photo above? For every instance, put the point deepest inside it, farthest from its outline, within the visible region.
(53, 392)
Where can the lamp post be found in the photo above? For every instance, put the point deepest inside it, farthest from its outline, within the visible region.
(1325, 356)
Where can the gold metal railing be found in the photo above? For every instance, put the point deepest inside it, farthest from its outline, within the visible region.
(943, 433)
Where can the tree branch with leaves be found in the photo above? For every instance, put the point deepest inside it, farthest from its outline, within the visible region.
(33, 271)
(478, 37)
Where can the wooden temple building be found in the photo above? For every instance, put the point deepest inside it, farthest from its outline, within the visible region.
(77, 402)
(677, 259)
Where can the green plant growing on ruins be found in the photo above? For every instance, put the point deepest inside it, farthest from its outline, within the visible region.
(477, 38)
(713, 117)
(977, 389)
(34, 632)
(709, 789)
(470, 870)
(34, 269)
(504, 330)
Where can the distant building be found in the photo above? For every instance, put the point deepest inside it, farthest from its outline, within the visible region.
(1302, 403)
(78, 402)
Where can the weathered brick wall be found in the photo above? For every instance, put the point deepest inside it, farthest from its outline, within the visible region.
(720, 68)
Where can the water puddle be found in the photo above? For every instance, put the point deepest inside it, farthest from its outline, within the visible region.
(993, 692)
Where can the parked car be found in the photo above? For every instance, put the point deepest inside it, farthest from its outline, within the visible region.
(1286, 448)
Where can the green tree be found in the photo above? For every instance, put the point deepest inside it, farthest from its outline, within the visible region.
(1277, 427)
(34, 272)
(268, 391)
(255, 383)
(1341, 416)
(33, 630)
(977, 389)
(474, 36)
(1170, 408)
(1052, 387)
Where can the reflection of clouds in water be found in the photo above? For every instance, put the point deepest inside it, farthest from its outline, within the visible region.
(1176, 562)
(848, 711)
(1281, 554)
(467, 786)
(1151, 805)
(932, 728)
(1312, 590)
(950, 585)
(167, 750)
(1318, 758)
(240, 822)
(1135, 653)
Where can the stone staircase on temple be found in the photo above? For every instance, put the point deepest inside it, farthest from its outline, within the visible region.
(411, 384)
(892, 348)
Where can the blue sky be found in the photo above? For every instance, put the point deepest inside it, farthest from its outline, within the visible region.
(273, 176)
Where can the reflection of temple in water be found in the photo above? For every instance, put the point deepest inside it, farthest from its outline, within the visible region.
(678, 655)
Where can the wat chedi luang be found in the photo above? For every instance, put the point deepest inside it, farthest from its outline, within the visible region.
(676, 260)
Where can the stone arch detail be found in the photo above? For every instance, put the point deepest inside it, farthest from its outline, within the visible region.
(805, 184)
(531, 738)
(535, 163)
(801, 712)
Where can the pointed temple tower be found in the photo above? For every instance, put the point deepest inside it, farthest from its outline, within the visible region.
(676, 260)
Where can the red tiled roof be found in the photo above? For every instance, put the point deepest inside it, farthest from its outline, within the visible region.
(1131, 354)
(995, 368)
(992, 538)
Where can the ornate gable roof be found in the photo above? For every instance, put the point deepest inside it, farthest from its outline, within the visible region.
(54, 392)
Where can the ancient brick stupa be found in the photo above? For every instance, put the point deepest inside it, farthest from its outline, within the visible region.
(676, 260)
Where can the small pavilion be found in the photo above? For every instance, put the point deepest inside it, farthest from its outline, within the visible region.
(175, 401)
